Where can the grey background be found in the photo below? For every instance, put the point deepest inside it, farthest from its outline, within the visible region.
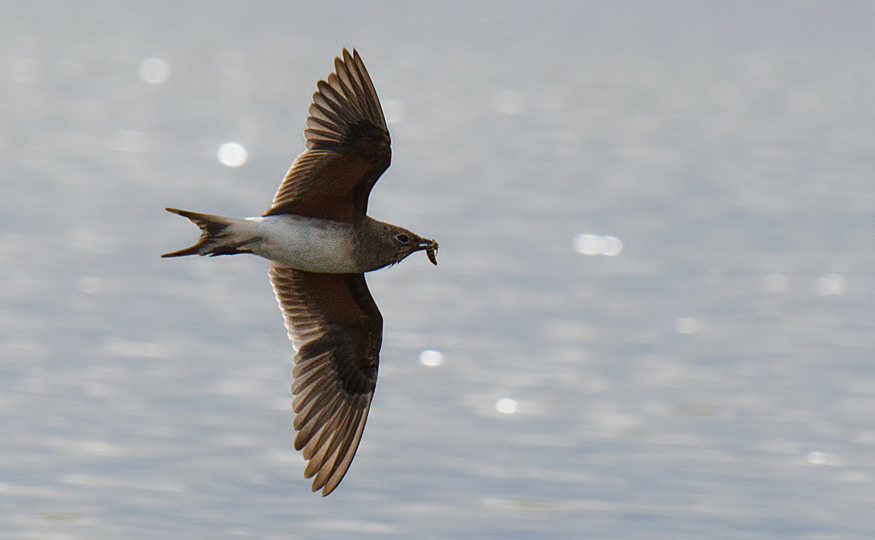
(713, 380)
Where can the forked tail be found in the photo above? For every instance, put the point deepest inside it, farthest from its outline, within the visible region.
(219, 236)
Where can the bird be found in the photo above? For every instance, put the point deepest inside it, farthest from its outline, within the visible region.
(320, 243)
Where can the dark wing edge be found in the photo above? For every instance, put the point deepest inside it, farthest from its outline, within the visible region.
(336, 328)
(348, 147)
(347, 98)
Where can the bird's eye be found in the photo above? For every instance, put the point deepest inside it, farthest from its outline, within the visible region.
(402, 238)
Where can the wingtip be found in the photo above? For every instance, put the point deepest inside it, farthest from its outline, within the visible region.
(350, 56)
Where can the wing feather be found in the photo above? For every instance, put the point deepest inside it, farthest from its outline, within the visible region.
(337, 330)
(347, 148)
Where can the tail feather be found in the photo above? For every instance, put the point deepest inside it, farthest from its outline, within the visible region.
(216, 238)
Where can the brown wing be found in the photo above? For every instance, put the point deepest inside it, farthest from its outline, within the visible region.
(337, 330)
(348, 148)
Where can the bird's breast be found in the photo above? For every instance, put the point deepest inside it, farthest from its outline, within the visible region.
(303, 243)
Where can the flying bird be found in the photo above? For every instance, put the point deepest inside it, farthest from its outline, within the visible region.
(320, 242)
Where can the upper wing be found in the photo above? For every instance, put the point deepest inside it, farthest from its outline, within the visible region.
(337, 330)
(348, 148)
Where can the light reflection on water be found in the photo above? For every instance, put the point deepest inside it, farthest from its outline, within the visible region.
(232, 154)
(707, 376)
(154, 70)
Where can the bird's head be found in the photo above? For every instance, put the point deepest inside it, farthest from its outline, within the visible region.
(406, 242)
(383, 244)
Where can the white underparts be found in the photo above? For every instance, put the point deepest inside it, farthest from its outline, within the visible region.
(309, 244)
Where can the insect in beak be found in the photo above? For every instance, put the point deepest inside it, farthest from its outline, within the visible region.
(431, 248)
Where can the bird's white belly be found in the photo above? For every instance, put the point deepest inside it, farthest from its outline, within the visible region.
(309, 244)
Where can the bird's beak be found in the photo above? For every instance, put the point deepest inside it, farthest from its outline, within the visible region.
(430, 247)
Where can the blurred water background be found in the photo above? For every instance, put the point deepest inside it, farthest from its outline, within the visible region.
(652, 316)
